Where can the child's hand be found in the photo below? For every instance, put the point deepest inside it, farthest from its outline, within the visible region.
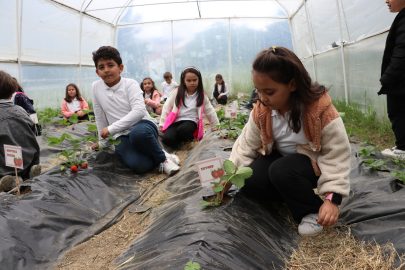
(214, 129)
(146, 100)
(104, 133)
(80, 113)
(219, 96)
(94, 146)
(328, 214)
(160, 128)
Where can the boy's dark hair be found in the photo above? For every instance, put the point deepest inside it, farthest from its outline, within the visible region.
(152, 90)
(7, 85)
(219, 76)
(107, 53)
(78, 95)
(182, 89)
(283, 66)
(20, 89)
(167, 75)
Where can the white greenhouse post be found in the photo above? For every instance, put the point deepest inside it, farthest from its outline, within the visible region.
(310, 36)
(173, 70)
(230, 56)
(19, 36)
(343, 53)
(80, 45)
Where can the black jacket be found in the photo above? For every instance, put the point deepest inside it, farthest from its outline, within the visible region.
(393, 64)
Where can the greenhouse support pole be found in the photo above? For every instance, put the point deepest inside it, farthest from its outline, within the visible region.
(173, 70)
(19, 36)
(80, 47)
(310, 36)
(230, 57)
(343, 53)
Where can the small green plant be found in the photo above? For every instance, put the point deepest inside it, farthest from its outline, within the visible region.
(233, 175)
(192, 266)
(94, 137)
(366, 151)
(71, 120)
(230, 128)
(153, 115)
(91, 117)
(399, 161)
(46, 115)
(350, 130)
(399, 175)
(375, 164)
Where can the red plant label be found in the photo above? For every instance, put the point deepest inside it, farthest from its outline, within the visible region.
(209, 171)
(13, 156)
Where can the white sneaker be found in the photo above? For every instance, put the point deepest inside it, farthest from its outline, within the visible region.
(394, 153)
(172, 157)
(309, 227)
(169, 167)
(6, 183)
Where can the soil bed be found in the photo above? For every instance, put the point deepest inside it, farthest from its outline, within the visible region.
(225, 200)
(23, 190)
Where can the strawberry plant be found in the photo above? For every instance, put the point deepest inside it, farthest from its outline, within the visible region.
(366, 151)
(399, 175)
(94, 138)
(71, 120)
(192, 266)
(233, 175)
(153, 115)
(375, 164)
(230, 128)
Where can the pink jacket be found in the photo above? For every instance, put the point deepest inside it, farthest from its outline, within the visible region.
(155, 102)
(65, 110)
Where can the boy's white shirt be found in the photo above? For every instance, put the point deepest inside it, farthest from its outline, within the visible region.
(219, 90)
(170, 106)
(119, 107)
(167, 89)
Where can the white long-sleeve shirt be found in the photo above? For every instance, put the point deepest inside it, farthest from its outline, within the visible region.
(219, 91)
(167, 88)
(119, 107)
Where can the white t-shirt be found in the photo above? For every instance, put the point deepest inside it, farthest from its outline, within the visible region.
(148, 107)
(219, 90)
(167, 88)
(285, 139)
(74, 105)
(190, 113)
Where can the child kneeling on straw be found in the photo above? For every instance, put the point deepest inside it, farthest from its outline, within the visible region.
(294, 141)
(120, 110)
(17, 129)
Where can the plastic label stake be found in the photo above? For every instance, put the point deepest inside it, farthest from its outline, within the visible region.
(210, 170)
(231, 112)
(241, 95)
(13, 157)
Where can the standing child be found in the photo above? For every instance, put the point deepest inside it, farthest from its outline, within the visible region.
(168, 85)
(74, 103)
(294, 141)
(393, 78)
(17, 129)
(151, 96)
(188, 103)
(120, 110)
(220, 92)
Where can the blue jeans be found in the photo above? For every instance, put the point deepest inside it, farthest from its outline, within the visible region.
(140, 149)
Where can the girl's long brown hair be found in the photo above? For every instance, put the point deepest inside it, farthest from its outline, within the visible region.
(282, 66)
(182, 89)
(219, 76)
(152, 90)
(78, 95)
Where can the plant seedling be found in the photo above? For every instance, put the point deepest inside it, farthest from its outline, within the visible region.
(375, 164)
(71, 120)
(399, 175)
(233, 175)
(366, 151)
(192, 266)
(153, 115)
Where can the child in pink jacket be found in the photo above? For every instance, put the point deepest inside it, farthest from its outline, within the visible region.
(74, 103)
(151, 96)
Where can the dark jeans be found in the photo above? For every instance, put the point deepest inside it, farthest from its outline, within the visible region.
(140, 149)
(396, 114)
(288, 179)
(179, 132)
(221, 100)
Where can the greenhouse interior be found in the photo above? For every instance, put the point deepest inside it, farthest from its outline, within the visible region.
(90, 209)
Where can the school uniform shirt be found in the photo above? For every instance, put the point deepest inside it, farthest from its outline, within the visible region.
(219, 91)
(190, 113)
(74, 105)
(119, 107)
(148, 107)
(167, 88)
(285, 139)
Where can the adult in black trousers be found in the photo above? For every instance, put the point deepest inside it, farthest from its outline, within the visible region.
(393, 77)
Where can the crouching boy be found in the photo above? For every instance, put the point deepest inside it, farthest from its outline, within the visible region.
(120, 110)
(17, 129)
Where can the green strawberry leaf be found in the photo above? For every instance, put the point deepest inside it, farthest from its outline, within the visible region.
(244, 172)
(229, 167)
(225, 177)
(218, 188)
(53, 139)
(204, 203)
(238, 181)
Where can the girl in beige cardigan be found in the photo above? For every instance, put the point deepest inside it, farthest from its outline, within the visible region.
(294, 141)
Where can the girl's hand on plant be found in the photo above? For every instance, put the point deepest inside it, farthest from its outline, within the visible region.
(226, 188)
(80, 113)
(104, 133)
(94, 146)
(328, 214)
(160, 128)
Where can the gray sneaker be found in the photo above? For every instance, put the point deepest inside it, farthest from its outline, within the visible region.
(6, 183)
(35, 171)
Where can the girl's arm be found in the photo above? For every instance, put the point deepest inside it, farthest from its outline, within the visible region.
(167, 107)
(65, 111)
(209, 111)
(244, 150)
(155, 101)
(226, 91)
(101, 119)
